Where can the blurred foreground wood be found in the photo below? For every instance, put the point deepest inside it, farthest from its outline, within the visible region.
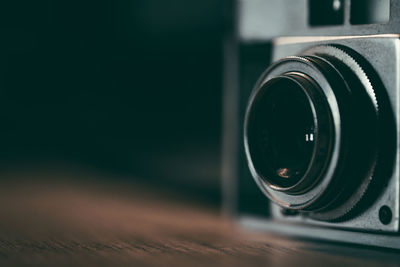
(59, 221)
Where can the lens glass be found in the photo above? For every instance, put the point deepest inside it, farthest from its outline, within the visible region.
(281, 132)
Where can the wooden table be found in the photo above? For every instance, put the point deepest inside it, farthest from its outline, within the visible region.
(51, 219)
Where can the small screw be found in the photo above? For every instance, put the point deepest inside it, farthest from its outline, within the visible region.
(336, 5)
(385, 215)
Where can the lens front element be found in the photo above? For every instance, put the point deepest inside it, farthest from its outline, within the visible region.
(282, 133)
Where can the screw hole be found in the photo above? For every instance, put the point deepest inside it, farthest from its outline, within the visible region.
(385, 215)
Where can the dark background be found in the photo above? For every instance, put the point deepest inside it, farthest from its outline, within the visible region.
(131, 88)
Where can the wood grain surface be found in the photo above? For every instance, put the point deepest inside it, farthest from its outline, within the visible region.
(55, 219)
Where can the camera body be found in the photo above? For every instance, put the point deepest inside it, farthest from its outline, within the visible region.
(312, 120)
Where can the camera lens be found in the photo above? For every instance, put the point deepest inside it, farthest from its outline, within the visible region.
(282, 131)
(318, 132)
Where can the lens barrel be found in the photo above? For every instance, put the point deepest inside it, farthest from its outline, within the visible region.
(314, 130)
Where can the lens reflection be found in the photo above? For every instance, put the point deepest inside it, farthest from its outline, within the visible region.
(281, 132)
